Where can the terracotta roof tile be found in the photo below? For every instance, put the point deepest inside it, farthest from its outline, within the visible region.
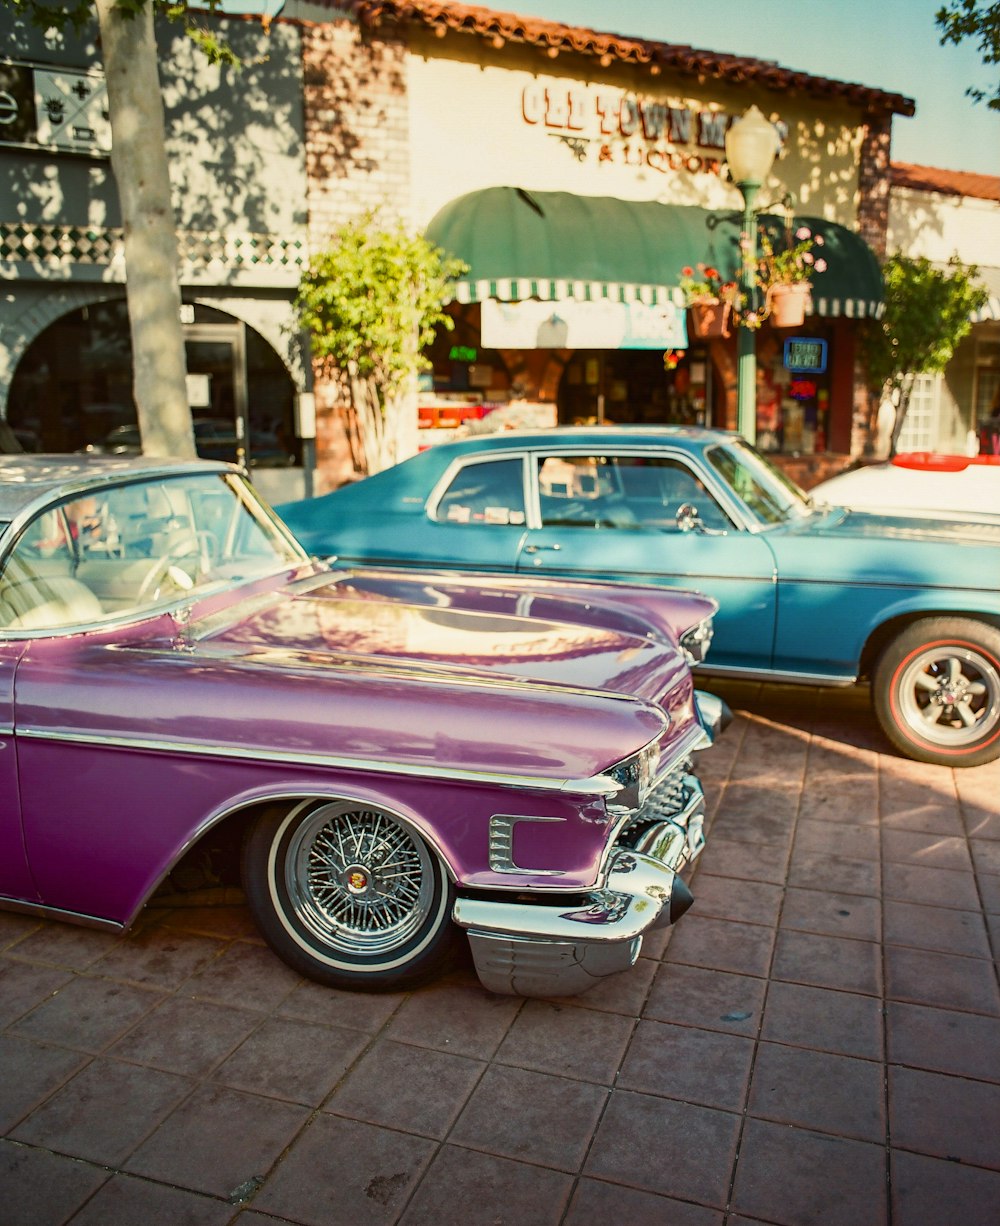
(947, 182)
(553, 37)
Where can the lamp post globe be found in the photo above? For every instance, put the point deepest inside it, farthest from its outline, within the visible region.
(751, 147)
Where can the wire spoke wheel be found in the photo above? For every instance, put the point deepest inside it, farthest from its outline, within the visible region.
(358, 879)
(349, 894)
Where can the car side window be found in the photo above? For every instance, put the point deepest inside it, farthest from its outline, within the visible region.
(487, 492)
(627, 491)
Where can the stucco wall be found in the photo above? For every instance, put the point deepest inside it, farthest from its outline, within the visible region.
(482, 118)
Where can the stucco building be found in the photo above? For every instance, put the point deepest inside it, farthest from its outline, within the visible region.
(575, 172)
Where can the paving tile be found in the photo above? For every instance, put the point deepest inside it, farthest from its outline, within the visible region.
(990, 889)
(65, 945)
(747, 861)
(531, 1117)
(925, 850)
(931, 1192)
(943, 1041)
(832, 914)
(945, 1117)
(722, 945)
(490, 1191)
(985, 855)
(218, 1140)
(567, 1040)
(247, 975)
(819, 871)
(414, 1089)
(297, 1061)
(934, 887)
(713, 1000)
(14, 928)
(930, 818)
(186, 1036)
(939, 928)
(839, 1022)
(846, 840)
(124, 1201)
(24, 984)
(160, 958)
(366, 1011)
(698, 1066)
(42, 1189)
(982, 820)
(927, 978)
(31, 1072)
(596, 1201)
(828, 797)
(819, 1091)
(88, 1014)
(226, 923)
(104, 1111)
(344, 1171)
(698, 1163)
(756, 902)
(793, 1177)
(467, 1021)
(828, 962)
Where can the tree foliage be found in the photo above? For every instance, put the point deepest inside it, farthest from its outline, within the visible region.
(979, 20)
(78, 14)
(928, 311)
(371, 301)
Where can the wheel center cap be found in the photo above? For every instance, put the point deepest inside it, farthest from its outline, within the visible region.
(357, 879)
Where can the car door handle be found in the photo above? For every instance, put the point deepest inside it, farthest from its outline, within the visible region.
(539, 548)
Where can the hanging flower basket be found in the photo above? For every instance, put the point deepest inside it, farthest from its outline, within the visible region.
(710, 318)
(787, 304)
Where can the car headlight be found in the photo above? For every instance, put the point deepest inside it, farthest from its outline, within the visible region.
(634, 776)
(696, 641)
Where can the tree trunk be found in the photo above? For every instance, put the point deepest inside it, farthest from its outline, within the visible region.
(905, 391)
(152, 288)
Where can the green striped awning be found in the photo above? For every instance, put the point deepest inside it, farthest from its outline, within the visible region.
(556, 246)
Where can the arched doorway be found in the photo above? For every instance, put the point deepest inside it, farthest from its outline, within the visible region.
(72, 389)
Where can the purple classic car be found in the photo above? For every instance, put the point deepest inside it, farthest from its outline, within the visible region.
(394, 758)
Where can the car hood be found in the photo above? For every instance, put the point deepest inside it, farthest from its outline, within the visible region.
(419, 630)
(842, 545)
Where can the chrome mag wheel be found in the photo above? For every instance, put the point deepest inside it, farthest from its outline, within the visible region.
(936, 691)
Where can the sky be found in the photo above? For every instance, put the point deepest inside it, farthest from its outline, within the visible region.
(891, 45)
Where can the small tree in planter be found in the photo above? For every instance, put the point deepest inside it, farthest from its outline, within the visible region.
(371, 301)
(927, 312)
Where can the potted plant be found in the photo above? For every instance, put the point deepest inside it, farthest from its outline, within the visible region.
(786, 276)
(708, 298)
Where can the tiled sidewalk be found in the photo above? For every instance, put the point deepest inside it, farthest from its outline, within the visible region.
(818, 1041)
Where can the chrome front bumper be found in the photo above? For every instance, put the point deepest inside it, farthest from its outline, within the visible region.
(534, 949)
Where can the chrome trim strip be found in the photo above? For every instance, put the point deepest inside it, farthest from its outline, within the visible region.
(598, 785)
(776, 676)
(69, 917)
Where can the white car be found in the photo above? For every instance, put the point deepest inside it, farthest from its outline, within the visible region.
(920, 483)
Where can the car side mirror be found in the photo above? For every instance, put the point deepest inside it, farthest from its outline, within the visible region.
(688, 519)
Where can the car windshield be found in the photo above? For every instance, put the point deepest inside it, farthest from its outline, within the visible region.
(764, 489)
(124, 548)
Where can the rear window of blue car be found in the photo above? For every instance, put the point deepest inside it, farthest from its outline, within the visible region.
(487, 492)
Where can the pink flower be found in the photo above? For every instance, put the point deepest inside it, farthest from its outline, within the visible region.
(803, 232)
(807, 257)
(819, 240)
(820, 266)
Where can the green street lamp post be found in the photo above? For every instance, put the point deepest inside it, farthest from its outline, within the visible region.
(751, 147)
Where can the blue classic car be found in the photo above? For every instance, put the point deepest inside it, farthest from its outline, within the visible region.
(812, 594)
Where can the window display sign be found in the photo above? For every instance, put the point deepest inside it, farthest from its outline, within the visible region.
(55, 108)
(582, 325)
(805, 353)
